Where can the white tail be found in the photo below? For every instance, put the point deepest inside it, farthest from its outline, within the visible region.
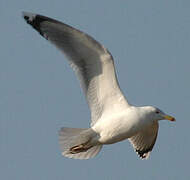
(73, 140)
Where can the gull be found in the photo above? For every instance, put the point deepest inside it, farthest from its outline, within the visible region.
(113, 118)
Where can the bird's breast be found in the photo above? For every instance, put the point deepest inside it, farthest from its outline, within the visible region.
(116, 128)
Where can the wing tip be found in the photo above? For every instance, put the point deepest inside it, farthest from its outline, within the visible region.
(143, 154)
(34, 20)
(29, 17)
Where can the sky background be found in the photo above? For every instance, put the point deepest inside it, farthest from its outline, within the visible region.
(39, 93)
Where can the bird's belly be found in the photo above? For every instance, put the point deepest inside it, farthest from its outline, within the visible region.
(114, 131)
(113, 136)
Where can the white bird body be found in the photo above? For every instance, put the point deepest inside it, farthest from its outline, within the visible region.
(121, 124)
(113, 118)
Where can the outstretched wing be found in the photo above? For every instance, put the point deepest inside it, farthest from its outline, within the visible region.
(144, 141)
(92, 63)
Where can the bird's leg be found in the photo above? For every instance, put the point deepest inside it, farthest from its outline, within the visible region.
(79, 148)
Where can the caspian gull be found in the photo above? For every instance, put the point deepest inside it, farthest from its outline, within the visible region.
(113, 119)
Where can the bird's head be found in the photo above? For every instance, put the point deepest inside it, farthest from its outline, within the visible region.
(157, 114)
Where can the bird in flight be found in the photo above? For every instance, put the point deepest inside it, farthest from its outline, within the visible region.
(113, 118)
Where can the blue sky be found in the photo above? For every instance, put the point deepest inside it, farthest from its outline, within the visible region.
(39, 93)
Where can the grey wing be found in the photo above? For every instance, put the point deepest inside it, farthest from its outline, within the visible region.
(92, 63)
(144, 141)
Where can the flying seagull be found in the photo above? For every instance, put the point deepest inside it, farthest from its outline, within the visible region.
(113, 119)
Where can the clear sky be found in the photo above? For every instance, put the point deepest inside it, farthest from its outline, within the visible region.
(39, 93)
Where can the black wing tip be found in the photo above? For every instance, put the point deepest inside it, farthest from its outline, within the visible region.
(29, 17)
(143, 154)
(37, 18)
(34, 20)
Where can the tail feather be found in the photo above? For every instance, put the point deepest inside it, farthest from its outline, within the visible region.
(73, 138)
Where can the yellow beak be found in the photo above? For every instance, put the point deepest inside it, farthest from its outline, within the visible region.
(170, 118)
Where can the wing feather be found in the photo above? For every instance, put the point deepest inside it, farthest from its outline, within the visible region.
(92, 63)
(144, 141)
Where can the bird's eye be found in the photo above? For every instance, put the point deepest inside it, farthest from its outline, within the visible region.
(157, 112)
